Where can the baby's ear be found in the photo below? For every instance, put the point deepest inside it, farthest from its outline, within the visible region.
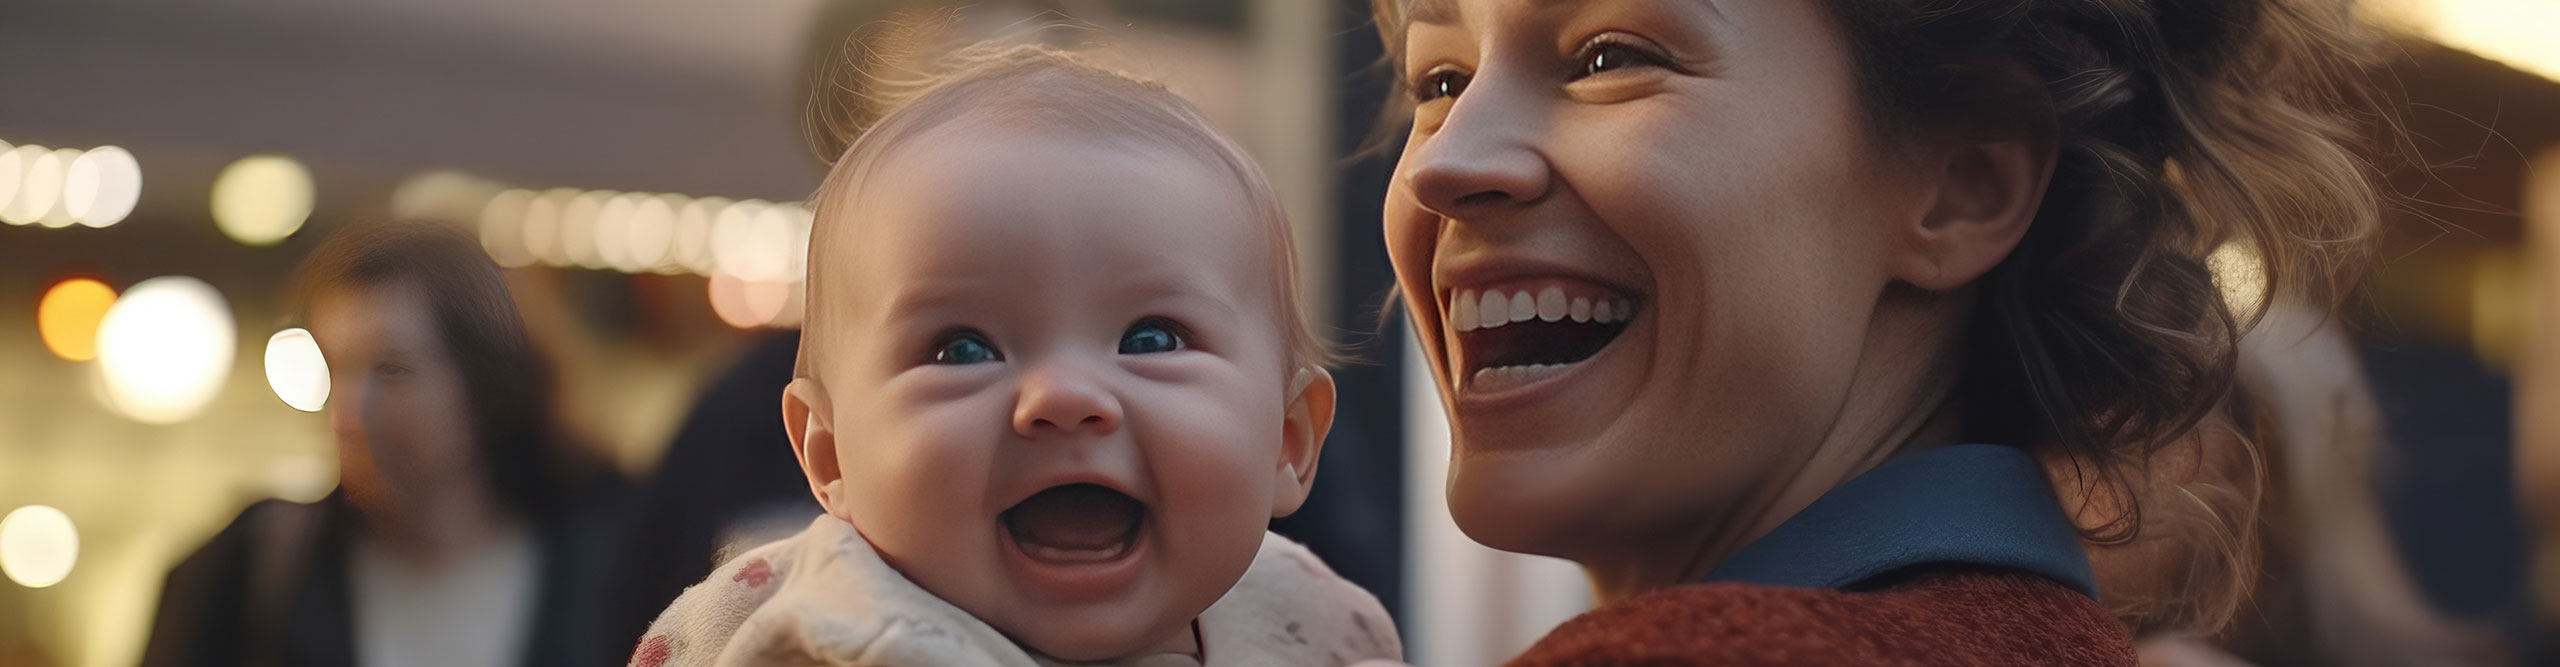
(809, 418)
(1302, 433)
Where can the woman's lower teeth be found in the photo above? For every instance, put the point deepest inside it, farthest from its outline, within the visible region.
(1498, 378)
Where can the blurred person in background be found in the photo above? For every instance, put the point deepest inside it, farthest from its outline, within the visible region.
(466, 529)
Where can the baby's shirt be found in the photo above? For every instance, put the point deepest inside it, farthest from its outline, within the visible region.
(823, 597)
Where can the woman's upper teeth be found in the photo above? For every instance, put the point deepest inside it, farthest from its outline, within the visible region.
(1470, 310)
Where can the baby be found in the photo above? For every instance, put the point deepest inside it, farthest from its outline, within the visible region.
(1053, 385)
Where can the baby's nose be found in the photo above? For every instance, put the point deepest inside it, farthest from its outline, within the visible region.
(1058, 401)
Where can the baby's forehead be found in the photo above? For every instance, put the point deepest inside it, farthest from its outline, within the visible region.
(1016, 205)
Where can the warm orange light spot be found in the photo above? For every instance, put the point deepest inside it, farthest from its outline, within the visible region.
(69, 314)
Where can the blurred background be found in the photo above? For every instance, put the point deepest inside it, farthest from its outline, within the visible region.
(638, 167)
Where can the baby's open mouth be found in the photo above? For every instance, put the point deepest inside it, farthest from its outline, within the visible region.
(1076, 524)
(1516, 337)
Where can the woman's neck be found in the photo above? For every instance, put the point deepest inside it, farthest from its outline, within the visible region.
(1901, 401)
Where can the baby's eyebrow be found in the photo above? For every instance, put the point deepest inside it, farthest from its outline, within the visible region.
(925, 296)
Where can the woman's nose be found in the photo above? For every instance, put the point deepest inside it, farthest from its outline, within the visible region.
(1058, 399)
(1485, 153)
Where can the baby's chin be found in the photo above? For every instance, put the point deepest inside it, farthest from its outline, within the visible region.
(1103, 635)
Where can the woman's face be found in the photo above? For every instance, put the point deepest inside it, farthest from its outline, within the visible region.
(396, 406)
(1703, 168)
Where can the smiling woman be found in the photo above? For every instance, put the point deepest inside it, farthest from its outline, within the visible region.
(1738, 291)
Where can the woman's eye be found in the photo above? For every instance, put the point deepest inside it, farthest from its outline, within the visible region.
(1439, 83)
(965, 348)
(1604, 56)
(1151, 336)
(388, 370)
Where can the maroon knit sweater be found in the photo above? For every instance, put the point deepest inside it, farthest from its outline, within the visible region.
(1967, 618)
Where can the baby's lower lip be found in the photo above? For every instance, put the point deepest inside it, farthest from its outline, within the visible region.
(1074, 578)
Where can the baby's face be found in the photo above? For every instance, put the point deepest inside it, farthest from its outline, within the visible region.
(1057, 378)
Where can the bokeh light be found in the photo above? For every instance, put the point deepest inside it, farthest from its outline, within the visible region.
(102, 186)
(613, 231)
(542, 226)
(691, 247)
(38, 546)
(13, 167)
(652, 229)
(502, 228)
(38, 185)
(441, 194)
(57, 166)
(262, 199)
(301, 478)
(578, 228)
(165, 348)
(729, 301)
(767, 256)
(729, 236)
(68, 316)
(296, 370)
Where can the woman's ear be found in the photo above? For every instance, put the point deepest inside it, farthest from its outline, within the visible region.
(809, 418)
(1986, 192)
(1302, 433)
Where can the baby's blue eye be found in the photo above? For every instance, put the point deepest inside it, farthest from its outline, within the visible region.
(1150, 336)
(966, 347)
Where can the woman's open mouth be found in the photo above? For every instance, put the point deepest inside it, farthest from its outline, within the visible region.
(1522, 333)
(1076, 524)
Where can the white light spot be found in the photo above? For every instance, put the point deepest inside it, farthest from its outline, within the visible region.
(692, 243)
(542, 226)
(38, 546)
(102, 186)
(262, 199)
(502, 228)
(165, 348)
(441, 194)
(37, 183)
(296, 370)
(12, 168)
(730, 245)
(652, 230)
(301, 479)
(58, 215)
(578, 218)
(768, 245)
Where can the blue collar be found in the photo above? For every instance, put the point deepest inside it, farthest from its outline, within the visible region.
(1978, 505)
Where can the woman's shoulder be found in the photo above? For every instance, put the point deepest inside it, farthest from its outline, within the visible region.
(1968, 617)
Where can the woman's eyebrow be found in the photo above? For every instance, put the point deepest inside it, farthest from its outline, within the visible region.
(1445, 12)
(1435, 12)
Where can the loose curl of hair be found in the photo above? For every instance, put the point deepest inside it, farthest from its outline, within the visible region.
(2184, 126)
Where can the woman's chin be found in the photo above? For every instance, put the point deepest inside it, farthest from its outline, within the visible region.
(1517, 504)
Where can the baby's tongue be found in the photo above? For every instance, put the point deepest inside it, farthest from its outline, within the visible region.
(1075, 523)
